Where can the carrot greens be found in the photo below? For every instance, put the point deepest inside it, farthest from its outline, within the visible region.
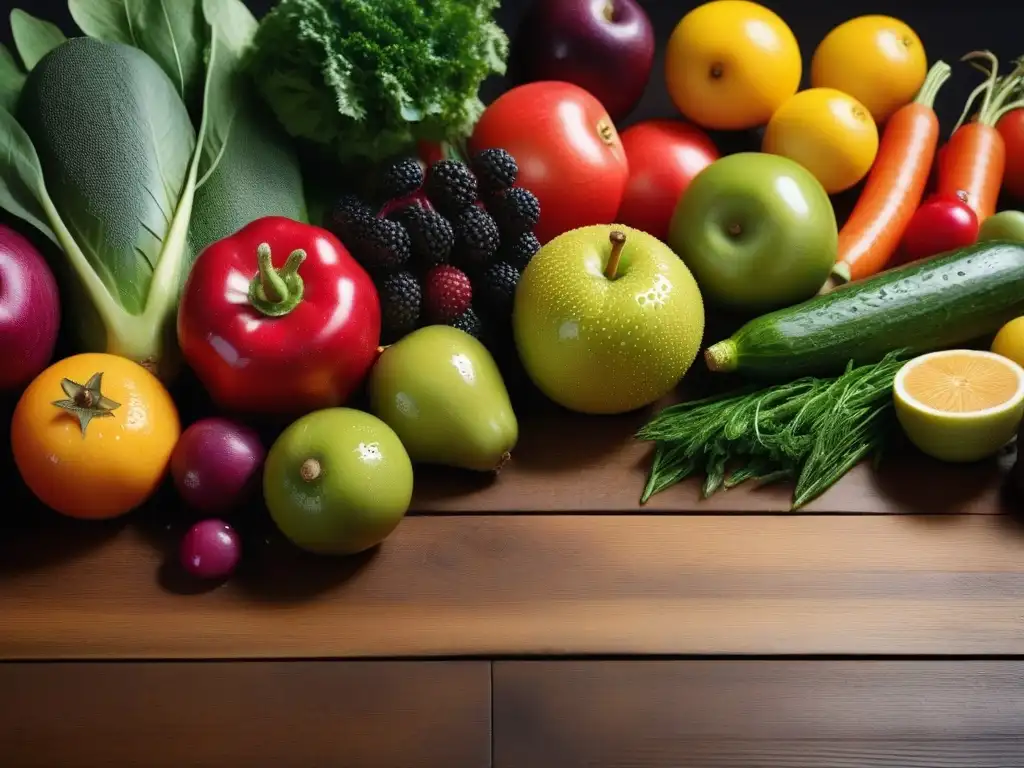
(811, 430)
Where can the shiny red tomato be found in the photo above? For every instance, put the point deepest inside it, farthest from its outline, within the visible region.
(942, 223)
(568, 152)
(1011, 128)
(663, 156)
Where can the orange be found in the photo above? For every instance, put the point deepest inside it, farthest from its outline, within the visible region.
(878, 60)
(92, 435)
(730, 64)
(959, 404)
(828, 132)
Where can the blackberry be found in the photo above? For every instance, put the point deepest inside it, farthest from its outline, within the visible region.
(450, 186)
(499, 288)
(380, 245)
(495, 169)
(476, 238)
(400, 180)
(431, 236)
(347, 210)
(516, 210)
(520, 250)
(469, 322)
(401, 299)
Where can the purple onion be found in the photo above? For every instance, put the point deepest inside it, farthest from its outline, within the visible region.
(215, 464)
(211, 550)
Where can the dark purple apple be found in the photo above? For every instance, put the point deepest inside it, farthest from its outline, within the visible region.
(29, 311)
(604, 46)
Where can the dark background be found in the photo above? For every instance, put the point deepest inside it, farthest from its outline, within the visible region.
(948, 29)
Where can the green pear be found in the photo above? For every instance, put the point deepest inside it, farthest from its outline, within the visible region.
(1005, 225)
(440, 390)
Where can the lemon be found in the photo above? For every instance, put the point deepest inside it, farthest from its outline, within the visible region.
(1009, 342)
(960, 404)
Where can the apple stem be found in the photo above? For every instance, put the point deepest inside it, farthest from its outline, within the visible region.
(618, 240)
(609, 10)
(735, 230)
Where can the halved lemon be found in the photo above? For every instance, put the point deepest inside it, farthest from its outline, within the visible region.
(959, 404)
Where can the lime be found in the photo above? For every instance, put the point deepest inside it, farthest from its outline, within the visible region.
(961, 404)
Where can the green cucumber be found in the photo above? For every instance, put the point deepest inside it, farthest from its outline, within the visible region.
(943, 302)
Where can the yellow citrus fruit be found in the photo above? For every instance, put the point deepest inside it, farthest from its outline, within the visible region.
(730, 64)
(1009, 342)
(878, 60)
(959, 404)
(828, 132)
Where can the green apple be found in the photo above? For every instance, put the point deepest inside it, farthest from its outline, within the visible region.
(757, 230)
(337, 481)
(1005, 225)
(607, 319)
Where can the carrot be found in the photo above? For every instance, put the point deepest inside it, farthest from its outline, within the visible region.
(894, 186)
(974, 159)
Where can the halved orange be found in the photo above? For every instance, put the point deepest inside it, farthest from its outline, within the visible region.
(960, 404)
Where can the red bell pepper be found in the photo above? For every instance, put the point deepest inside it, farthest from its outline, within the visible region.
(279, 318)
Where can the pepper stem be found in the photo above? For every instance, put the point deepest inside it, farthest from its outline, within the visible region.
(86, 401)
(276, 292)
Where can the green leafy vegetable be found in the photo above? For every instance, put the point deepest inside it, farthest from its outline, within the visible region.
(370, 78)
(172, 32)
(11, 80)
(810, 430)
(34, 38)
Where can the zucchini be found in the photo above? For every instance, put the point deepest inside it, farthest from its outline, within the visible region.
(943, 302)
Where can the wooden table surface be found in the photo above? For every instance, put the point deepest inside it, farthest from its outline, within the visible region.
(544, 620)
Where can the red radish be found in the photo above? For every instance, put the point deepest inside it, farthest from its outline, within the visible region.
(29, 311)
(942, 223)
(211, 550)
(215, 464)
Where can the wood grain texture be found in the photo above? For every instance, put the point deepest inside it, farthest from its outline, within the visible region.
(763, 714)
(489, 585)
(569, 464)
(249, 715)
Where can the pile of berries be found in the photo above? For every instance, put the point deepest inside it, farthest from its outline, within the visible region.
(445, 246)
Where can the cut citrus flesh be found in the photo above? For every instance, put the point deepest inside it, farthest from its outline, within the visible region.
(962, 381)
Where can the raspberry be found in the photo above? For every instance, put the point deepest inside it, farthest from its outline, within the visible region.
(447, 294)
(450, 186)
(516, 210)
(499, 288)
(469, 322)
(431, 234)
(400, 180)
(380, 245)
(400, 299)
(519, 251)
(476, 238)
(495, 169)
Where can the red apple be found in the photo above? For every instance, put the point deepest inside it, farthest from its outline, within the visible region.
(663, 157)
(604, 46)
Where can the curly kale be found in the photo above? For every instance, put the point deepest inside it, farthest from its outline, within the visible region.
(370, 78)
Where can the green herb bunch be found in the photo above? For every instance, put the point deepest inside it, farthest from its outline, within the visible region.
(370, 78)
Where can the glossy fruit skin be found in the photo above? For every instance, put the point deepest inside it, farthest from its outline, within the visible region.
(210, 550)
(730, 64)
(361, 492)
(1011, 128)
(314, 356)
(568, 151)
(829, 133)
(29, 311)
(442, 393)
(601, 346)
(1005, 225)
(120, 460)
(605, 47)
(758, 232)
(215, 463)
(664, 156)
(878, 60)
(1009, 342)
(942, 223)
